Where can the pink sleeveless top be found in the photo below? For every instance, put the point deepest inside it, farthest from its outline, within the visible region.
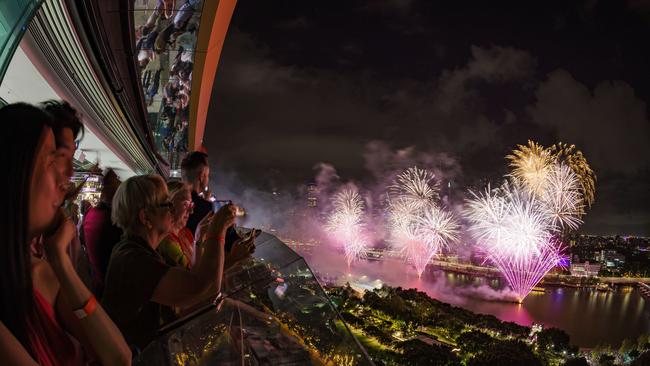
(52, 346)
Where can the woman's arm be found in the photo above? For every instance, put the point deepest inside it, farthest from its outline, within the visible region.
(98, 329)
(182, 288)
(12, 351)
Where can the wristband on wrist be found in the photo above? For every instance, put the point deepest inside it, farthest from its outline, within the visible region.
(88, 309)
(219, 238)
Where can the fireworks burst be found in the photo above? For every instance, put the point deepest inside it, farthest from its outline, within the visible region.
(523, 275)
(530, 165)
(568, 155)
(513, 228)
(516, 224)
(437, 228)
(345, 223)
(417, 186)
(419, 228)
(563, 197)
(509, 221)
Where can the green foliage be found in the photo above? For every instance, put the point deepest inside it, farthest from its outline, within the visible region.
(506, 353)
(606, 360)
(473, 342)
(554, 337)
(418, 353)
(627, 346)
(643, 342)
(379, 334)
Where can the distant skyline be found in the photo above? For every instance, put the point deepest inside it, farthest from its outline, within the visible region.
(355, 84)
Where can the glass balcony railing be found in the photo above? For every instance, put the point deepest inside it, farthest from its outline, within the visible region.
(273, 312)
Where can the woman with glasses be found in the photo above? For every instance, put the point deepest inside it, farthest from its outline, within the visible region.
(178, 247)
(140, 287)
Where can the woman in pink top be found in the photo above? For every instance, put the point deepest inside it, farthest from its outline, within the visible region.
(43, 303)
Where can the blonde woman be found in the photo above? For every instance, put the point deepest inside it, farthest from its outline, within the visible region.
(140, 286)
(178, 247)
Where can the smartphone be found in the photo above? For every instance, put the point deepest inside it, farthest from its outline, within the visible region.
(217, 204)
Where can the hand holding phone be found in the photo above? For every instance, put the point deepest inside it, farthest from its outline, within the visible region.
(222, 220)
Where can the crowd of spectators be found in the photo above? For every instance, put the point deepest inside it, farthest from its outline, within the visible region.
(154, 248)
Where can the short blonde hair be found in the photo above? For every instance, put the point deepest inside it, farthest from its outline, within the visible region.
(177, 186)
(134, 194)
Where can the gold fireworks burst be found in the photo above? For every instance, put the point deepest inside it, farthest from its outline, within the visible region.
(531, 165)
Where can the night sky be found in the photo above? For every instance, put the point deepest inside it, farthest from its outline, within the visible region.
(363, 84)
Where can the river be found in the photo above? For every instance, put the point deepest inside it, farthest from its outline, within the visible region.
(589, 316)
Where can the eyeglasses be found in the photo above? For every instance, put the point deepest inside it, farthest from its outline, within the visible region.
(188, 204)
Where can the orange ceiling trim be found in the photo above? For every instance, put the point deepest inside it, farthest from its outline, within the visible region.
(215, 20)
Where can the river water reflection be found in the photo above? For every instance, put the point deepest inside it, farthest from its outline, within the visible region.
(590, 317)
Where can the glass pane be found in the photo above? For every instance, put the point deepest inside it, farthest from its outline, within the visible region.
(274, 313)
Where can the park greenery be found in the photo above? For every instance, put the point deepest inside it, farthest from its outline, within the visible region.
(406, 327)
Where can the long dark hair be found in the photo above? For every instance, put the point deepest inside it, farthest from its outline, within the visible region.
(23, 126)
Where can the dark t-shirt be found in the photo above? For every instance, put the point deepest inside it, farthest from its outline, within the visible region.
(100, 236)
(134, 271)
(202, 207)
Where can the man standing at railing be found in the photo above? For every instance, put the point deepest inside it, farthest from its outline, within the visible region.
(195, 170)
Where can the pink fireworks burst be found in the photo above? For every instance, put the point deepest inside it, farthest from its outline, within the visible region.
(419, 228)
(513, 228)
(345, 223)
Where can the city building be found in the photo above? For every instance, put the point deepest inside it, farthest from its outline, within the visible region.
(312, 195)
(585, 269)
(612, 259)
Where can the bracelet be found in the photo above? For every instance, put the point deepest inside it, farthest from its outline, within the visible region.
(88, 309)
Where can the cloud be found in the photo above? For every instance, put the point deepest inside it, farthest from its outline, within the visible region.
(326, 175)
(492, 65)
(299, 23)
(385, 162)
(271, 121)
(609, 123)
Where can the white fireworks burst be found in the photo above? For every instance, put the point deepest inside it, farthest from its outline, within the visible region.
(419, 227)
(437, 228)
(418, 186)
(345, 223)
(513, 228)
(508, 220)
(563, 197)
